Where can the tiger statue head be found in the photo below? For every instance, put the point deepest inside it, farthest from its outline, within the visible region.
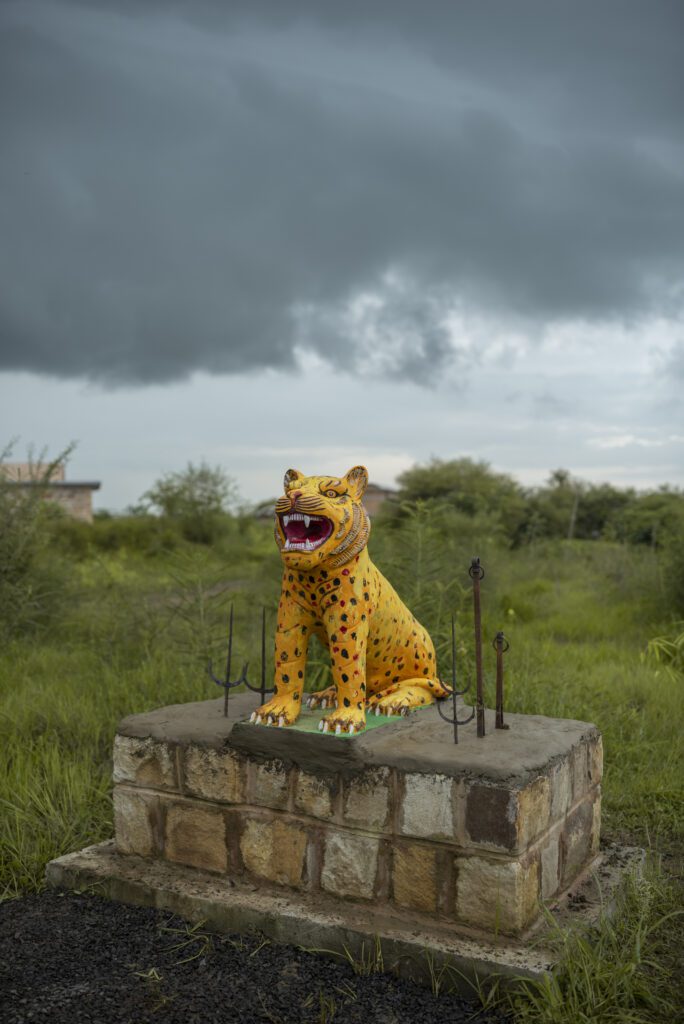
(320, 520)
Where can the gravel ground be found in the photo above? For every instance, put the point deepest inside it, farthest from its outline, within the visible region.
(68, 957)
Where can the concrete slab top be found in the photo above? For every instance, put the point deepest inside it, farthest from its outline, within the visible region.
(421, 742)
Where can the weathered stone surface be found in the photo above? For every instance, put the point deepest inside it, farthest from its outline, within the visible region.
(596, 827)
(350, 864)
(313, 796)
(427, 809)
(414, 876)
(491, 816)
(576, 840)
(367, 799)
(496, 895)
(214, 775)
(144, 762)
(274, 850)
(135, 815)
(596, 760)
(195, 835)
(505, 818)
(271, 784)
(560, 781)
(534, 805)
(550, 867)
(580, 771)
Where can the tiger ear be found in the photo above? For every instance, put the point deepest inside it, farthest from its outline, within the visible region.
(357, 481)
(290, 476)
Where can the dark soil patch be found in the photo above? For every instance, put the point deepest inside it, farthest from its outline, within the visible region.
(69, 957)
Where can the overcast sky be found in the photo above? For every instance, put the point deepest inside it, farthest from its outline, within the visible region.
(316, 233)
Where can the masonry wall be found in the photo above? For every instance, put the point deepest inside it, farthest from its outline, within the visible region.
(478, 854)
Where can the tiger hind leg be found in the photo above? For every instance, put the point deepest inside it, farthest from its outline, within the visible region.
(400, 698)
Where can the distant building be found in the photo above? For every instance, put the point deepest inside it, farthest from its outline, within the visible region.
(74, 496)
(376, 496)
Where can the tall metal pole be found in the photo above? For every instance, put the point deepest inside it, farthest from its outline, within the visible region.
(477, 573)
(228, 661)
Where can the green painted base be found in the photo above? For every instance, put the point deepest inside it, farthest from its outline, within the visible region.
(309, 719)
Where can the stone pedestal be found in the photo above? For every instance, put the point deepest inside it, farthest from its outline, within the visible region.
(398, 822)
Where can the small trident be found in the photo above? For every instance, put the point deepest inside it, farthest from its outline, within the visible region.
(454, 692)
(500, 645)
(242, 679)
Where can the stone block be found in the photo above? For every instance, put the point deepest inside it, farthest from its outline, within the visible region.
(196, 835)
(491, 816)
(350, 864)
(274, 850)
(414, 876)
(144, 762)
(271, 785)
(497, 895)
(367, 799)
(596, 827)
(576, 841)
(313, 796)
(136, 819)
(505, 818)
(214, 774)
(534, 805)
(580, 771)
(427, 809)
(596, 761)
(550, 867)
(560, 782)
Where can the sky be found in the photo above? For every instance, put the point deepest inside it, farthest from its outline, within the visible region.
(310, 234)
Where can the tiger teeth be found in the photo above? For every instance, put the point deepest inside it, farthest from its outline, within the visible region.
(286, 520)
(307, 520)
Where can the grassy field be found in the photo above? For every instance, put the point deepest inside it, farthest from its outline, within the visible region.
(132, 630)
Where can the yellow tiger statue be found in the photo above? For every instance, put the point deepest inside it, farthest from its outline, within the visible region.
(382, 659)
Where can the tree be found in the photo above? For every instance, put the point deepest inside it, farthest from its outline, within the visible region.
(198, 497)
(470, 487)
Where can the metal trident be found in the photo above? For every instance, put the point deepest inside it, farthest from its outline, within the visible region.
(454, 692)
(242, 679)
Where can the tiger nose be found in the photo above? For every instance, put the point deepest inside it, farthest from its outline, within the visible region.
(293, 497)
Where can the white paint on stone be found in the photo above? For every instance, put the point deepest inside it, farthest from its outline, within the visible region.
(350, 864)
(428, 807)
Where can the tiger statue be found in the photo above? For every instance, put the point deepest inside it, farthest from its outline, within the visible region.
(382, 659)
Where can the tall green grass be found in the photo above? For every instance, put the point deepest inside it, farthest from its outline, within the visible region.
(134, 630)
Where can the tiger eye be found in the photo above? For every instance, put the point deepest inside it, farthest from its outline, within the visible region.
(331, 494)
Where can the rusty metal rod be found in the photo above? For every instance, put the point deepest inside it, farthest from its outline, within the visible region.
(228, 661)
(500, 645)
(476, 574)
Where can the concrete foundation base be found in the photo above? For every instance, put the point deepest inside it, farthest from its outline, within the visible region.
(324, 924)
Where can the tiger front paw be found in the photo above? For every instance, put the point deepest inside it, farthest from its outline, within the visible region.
(343, 720)
(279, 711)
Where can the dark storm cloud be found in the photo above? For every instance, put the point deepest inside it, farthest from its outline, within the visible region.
(196, 186)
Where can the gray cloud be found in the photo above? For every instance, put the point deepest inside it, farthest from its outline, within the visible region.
(179, 182)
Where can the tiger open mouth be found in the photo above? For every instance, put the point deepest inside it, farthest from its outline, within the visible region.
(304, 533)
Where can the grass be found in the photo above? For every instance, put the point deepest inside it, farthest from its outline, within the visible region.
(591, 638)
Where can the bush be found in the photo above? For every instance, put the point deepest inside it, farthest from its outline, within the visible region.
(31, 579)
(199, 499)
